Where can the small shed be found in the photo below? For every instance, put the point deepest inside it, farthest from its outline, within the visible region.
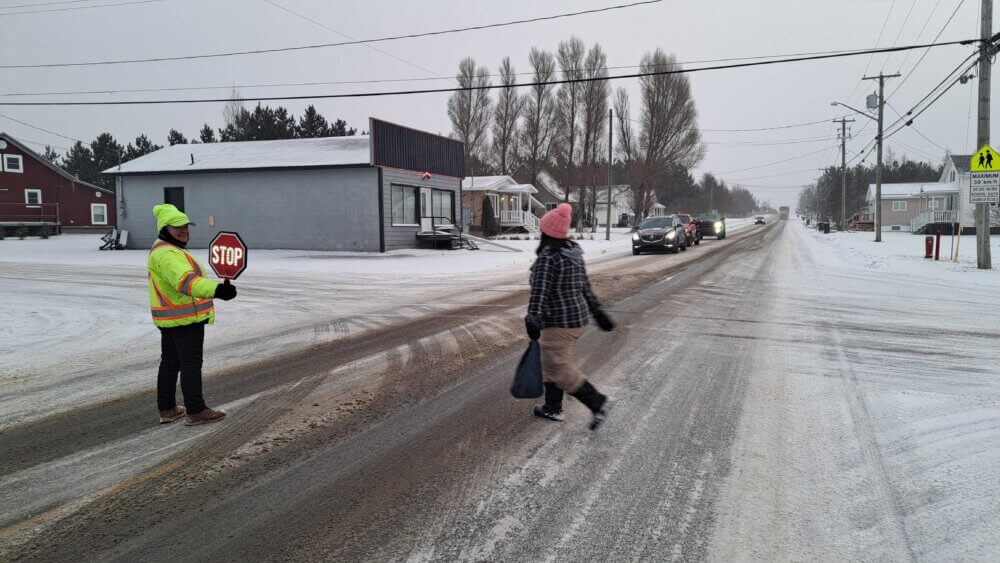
(392, 189)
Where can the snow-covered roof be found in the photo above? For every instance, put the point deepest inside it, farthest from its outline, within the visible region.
(51, 166)
(249, 155)
(482, 183)
(912, 189)
(519, 189)
(961, 162)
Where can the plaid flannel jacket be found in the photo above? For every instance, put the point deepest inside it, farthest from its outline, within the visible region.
(560, 291)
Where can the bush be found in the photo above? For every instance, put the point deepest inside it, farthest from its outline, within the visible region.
(3, 233)
(21, 232)
(46, 232)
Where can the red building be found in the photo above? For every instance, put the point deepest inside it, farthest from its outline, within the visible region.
(35, 193)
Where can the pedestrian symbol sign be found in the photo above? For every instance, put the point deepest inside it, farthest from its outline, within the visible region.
(984, 186)
(985, 160)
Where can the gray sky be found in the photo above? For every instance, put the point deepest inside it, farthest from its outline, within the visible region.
(728, 99)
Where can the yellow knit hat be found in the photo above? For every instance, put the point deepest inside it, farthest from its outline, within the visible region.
(168, 215)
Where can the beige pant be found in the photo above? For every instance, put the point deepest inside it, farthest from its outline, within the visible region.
(557, 357)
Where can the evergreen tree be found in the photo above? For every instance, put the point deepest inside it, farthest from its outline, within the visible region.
(175, 137)
(207, 134)
(107, 153)
(142, 146)
(340, 129)
(490, 226)
(262, 124)
(79, 161)
(51, 155)
(312, 124)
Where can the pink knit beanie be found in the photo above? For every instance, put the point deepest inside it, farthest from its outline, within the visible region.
(555, 223)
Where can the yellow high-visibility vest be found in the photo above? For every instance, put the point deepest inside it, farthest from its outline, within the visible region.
(179, 294)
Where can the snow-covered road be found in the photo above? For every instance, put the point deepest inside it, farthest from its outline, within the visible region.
(786, 396)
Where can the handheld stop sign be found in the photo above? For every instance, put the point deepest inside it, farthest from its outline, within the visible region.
(228, 255)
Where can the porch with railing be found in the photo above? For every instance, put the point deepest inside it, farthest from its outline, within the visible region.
(15, 214)
(518, 218)
(932, 216)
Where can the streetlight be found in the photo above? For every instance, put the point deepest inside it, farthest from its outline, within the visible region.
(878, 166)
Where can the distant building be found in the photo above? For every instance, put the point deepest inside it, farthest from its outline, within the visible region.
(514, 205)
(35, 193)
(388, 190)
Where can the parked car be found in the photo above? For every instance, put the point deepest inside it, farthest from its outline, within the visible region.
(659, 233)
(711, 225)
(758, 220)
(690, 229)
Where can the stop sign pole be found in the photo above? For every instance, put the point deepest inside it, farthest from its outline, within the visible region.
(227, 254)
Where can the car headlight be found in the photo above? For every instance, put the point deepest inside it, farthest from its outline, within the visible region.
(635, 235)
(718, 226)
(672, 234)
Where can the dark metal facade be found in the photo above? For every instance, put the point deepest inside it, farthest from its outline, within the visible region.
(395, 146)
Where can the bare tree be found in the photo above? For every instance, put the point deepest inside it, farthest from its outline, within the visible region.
(510, 105)
(469, 109)
(233, 112)
(570, 55)
(668, 129)
(593, 107)
(538, 113)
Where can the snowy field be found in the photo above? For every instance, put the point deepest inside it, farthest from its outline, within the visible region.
(77, 327)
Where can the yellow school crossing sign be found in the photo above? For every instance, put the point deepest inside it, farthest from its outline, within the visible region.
(985, 184)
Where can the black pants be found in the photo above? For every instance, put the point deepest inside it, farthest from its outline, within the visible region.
(181, 351)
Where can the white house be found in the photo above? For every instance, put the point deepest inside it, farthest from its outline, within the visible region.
(514, 205)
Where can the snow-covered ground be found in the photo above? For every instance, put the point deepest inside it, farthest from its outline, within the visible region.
(871, 429)
(76, 320)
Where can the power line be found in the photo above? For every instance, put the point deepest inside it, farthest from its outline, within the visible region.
(339, 44)
(376, 49)
(766, 128)
(921, 59)
(929, 104)
(917, 131)
(774, 175)
(43, 4)
(936, 87)
(900, 33)
(79, 7)
(425, 79)
(877, 41)
(39, 128)
(920, 33)
(488, 87)
(733, 144)
(770, 163)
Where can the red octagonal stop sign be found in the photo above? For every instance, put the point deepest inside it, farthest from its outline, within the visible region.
(228, 255)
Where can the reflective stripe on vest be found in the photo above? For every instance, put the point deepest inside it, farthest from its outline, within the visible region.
(159, 294)
(183, 311)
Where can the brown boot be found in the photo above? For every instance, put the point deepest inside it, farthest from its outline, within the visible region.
(166, 417)
(204, 417)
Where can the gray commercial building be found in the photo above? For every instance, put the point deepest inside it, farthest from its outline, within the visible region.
(373, 192)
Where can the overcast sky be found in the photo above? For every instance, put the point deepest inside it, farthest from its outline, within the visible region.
(695, 31)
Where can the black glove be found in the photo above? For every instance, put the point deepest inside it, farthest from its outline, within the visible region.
(603, 320)
(533, 326)
(225, 291)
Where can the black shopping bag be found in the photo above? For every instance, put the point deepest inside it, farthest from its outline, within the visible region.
(528, 377)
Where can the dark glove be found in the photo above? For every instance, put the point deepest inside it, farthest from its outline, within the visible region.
(533, 326)
(604, 321)
(225, 291)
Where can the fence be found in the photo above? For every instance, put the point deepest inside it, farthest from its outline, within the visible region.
(933, 217)
(29, 214)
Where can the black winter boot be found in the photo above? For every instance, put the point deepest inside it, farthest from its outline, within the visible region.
(598, 403)
(552, 409)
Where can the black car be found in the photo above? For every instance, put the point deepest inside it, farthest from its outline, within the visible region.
(659, 233)
(711, 225)
(758, 220)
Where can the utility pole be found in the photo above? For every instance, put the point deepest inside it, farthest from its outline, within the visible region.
(878, 170)
(983, 260)
(843, 171)
(611, 130)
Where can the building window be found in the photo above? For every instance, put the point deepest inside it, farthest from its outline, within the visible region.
(175, 197)
(932, 204)
(495, 202)
(13, 163)
(952, 175)
(551, 206)
(98, 214)
(404, 205)
(443, 204)
(899, 206)
(32, 197)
